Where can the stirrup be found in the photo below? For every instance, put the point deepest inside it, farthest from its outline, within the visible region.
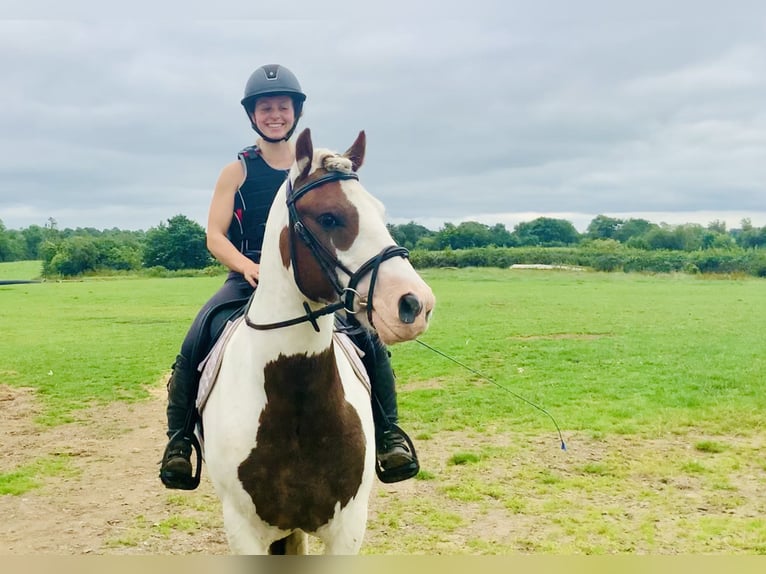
(182, 482)
(403, 472)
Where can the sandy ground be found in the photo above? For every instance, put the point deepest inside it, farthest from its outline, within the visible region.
(108, 498)
(114, 454)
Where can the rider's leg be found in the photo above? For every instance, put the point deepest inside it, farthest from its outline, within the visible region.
(397, 459)
(176, 468)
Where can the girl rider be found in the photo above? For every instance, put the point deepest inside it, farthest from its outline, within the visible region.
(236, 220)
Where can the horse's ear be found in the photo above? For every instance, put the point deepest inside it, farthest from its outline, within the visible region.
(304, 153)
(356, 152)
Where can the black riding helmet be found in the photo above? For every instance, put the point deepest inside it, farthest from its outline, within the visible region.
(273, 80)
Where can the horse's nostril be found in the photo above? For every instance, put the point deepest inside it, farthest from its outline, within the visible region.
(409, 308)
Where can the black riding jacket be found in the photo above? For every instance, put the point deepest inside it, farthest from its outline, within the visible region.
(252, 202)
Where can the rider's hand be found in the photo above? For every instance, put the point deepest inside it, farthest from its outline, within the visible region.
(251, 271)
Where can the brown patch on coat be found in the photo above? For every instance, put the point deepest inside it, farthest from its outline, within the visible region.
(284, 246)
(328, 199)
(310, 447)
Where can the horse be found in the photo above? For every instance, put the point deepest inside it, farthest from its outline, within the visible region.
(288, 430)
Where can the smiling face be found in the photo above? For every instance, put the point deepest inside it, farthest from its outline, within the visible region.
(274, 116)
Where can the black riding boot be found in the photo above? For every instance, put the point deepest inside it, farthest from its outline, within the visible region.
(176, 469)
(396, 456)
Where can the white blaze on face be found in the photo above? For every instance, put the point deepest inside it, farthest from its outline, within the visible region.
(402, 300)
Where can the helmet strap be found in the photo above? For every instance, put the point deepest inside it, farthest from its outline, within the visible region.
(272, 140)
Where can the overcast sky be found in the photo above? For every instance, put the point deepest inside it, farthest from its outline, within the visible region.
(500, 113)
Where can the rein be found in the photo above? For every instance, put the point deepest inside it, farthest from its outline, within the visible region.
(328, 263)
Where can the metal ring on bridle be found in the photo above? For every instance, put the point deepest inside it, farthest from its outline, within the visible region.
(357, 296)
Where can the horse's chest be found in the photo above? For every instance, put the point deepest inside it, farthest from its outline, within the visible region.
(310, 445)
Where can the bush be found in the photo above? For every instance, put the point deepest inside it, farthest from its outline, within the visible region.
(608, 262)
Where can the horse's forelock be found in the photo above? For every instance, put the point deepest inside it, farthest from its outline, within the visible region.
(334, 162)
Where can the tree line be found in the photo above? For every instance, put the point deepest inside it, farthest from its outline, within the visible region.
(551, 232)
(177, 244)
(180, 244)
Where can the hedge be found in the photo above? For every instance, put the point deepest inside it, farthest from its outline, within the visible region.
(734, 261)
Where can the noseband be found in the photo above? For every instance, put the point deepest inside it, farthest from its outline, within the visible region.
(329, 263)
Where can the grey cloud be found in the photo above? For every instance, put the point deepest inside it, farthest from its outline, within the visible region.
(587, 109)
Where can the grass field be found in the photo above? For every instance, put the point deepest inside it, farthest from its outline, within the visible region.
(99, 340)
(23, 270)
(604, 352)
(654, 380)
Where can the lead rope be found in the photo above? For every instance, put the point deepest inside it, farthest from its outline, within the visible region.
(507, 390)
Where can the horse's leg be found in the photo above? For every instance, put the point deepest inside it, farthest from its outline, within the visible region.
(346, 536)
(243, 536)
(346, 544)
(292, 544)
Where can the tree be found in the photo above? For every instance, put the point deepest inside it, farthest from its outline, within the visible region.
(468, 234)
(409, 234)
(33, 236)
(119, 255)
(5, 243)
(181, 244)
(717, 226)
(499, 236)
(73, 256)
(603, 227)
(546, 231)
(633, 229)
(751, 237)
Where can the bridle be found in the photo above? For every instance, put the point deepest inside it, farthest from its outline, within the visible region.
(328, 263)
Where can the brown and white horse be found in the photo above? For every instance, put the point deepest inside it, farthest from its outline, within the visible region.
(289, 437)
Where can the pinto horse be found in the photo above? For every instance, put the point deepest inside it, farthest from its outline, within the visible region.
(288, 427)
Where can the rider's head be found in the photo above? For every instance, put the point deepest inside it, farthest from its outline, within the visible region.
(271, 83)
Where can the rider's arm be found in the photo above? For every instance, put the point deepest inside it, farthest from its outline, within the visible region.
(218, 221)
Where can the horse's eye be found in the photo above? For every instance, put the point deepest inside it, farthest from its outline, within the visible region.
(328, 221)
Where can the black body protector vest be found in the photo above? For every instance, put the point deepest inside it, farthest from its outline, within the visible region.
(252, 202)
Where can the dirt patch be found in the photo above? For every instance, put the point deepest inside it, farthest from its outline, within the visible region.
(110, 492)
(562, 336)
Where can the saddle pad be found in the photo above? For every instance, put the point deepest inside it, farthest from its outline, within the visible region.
(211, 365)
(354, 355)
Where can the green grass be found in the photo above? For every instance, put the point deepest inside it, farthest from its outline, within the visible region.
(33, 475)
(710, 446)
(604, 353)
(24, 270)
(96, 341)
(464, 458)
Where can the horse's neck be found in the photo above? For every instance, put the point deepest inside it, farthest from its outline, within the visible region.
(276, 301)
(277, 297)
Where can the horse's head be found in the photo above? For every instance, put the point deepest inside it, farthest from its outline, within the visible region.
(339, 247)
